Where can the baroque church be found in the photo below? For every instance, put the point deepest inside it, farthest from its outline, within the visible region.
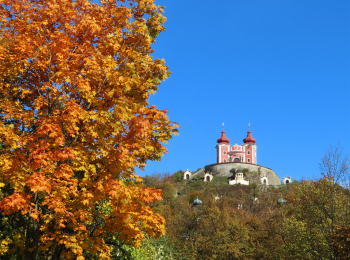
(236, 153)
(238, 163)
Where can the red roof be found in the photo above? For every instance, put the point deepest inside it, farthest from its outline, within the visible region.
(223, 138)
(249, 139)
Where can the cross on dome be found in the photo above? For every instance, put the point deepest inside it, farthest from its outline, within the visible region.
(223, 138)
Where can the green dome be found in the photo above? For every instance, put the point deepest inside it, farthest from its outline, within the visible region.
(197, 202)
(281, 200)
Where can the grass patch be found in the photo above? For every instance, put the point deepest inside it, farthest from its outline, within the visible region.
(219, 179)
(198, 177)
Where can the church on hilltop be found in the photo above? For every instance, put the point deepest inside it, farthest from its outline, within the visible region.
(236, 153)
(237, 163)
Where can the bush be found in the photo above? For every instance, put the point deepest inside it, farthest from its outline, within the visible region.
(219, 179)
(178, 176)
(254, 173)
(154, 249)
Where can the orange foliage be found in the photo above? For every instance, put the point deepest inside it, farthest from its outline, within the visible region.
(75, 121)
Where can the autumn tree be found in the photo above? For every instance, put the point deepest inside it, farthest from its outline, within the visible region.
(75, 78)
(318, 225)
(341, 241)
(193, 194)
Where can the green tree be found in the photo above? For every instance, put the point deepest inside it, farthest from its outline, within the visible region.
(178, 176)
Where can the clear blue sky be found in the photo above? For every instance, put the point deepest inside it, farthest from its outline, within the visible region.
(283, 66)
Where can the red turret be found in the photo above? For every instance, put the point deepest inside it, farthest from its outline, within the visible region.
(249, 139)
(223, 139)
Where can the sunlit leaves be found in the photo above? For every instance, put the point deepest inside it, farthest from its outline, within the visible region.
(75, 78)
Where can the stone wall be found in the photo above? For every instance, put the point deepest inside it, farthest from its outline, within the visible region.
(223, 170)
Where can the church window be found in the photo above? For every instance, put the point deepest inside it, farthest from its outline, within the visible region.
(248, 160)
(224, 160)
(248, 152)
(224, 152)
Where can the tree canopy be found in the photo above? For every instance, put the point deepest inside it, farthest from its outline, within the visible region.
(246, 222)
(75, 78)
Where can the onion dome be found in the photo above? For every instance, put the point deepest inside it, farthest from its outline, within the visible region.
(197, 202)
(249, 139)
(281, 200)
(223, 138)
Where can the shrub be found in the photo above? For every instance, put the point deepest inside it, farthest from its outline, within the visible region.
(219, 179)
(178, 176)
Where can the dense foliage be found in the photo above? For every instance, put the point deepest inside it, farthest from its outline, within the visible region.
(233, 224)
(75, 122)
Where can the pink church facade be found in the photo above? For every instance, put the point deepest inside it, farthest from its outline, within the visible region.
(236, 153)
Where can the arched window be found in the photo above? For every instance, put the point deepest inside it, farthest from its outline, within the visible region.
(187, 176)
(224, 152)
(224, 160)
(248, 160)
(208, 178)
(248, 152)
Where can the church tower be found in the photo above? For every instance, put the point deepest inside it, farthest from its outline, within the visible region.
(223, 148)
(250, 148)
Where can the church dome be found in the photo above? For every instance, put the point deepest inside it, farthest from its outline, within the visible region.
(281, 200)
(197, 202)
(223, 138)
(249, 139)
